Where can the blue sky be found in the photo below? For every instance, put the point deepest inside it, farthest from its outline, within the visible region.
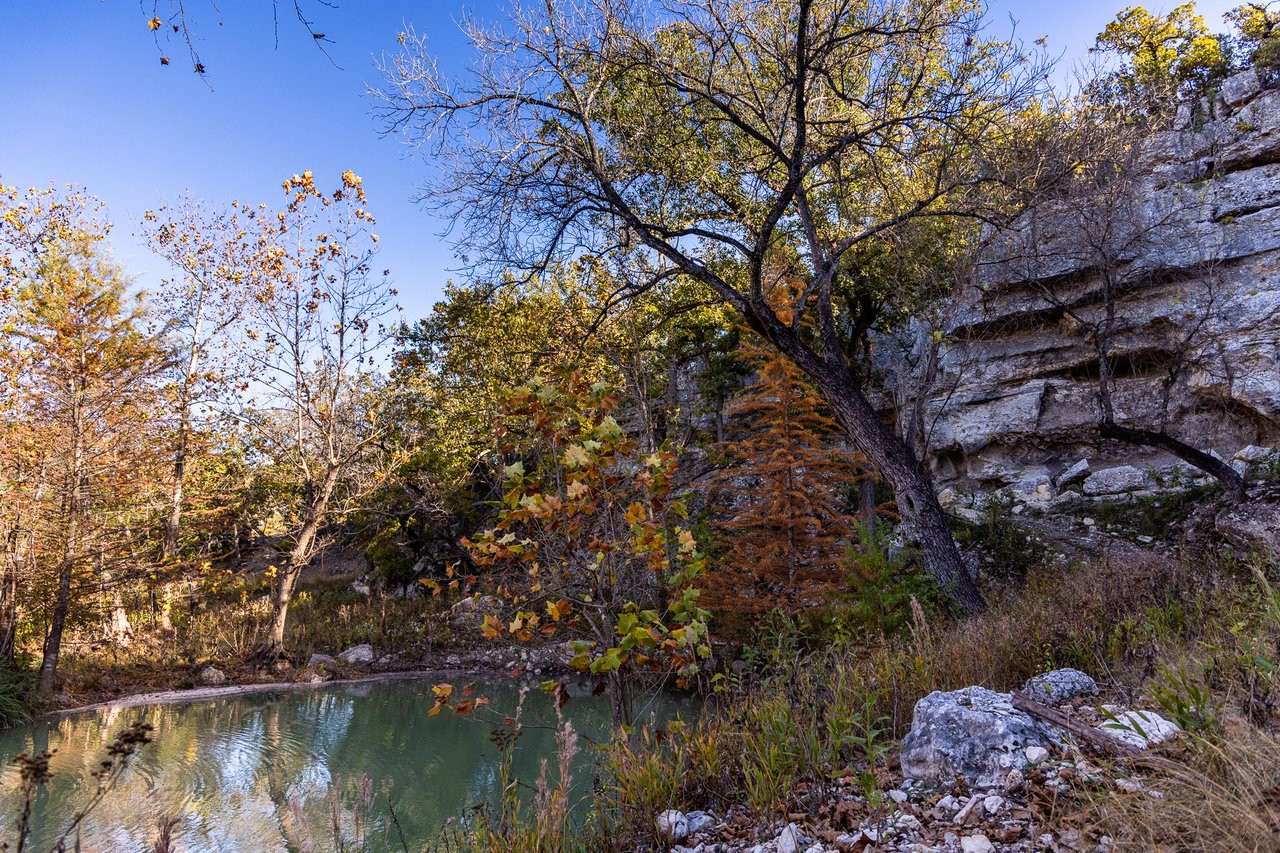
(85, 101)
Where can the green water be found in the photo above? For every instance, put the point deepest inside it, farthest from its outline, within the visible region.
(258, 772)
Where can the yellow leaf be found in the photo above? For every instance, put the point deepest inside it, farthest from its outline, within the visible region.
(155, 23)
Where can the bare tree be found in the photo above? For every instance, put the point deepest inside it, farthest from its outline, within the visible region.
(1089, 241)
(221, 256)
(317, 410)
(738, 144)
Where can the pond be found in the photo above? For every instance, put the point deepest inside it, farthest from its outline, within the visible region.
(259, 772)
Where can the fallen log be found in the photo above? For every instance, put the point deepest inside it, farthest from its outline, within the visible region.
(1083, 732)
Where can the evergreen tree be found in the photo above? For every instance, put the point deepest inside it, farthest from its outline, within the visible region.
(782, 497)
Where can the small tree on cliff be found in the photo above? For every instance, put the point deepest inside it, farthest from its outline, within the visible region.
(1085, 245)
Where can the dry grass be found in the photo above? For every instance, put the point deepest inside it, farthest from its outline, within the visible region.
(1225, 798)
(768, 742)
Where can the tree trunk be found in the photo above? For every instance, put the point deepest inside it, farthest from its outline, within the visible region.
(912, 488)
(118, 627)
(298, 558)
(53, 642)
(1213, 466)
(70, 544)
(17, 548)
(888, 455)
(619, 698)
(174, 519)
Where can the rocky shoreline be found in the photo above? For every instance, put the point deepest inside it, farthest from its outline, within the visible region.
(974, 775)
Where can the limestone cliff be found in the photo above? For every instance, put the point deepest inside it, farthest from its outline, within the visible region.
(1015, 398)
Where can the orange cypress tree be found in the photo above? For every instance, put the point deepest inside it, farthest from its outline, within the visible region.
(781, 499)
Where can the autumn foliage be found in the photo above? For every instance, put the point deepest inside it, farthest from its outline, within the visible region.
(588, 540)
(782, 499)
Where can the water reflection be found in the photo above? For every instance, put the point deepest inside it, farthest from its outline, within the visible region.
(257, 772)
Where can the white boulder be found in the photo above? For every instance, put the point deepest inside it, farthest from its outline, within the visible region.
(1142, 729)
(1058, 686)
(673, 825)
(361, 655)
(1114, 481)
(975, 734)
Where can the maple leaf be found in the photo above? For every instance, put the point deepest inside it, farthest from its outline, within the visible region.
(576, 457)
(155, 23)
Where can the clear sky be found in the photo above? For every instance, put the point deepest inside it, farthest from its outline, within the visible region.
(84, 100)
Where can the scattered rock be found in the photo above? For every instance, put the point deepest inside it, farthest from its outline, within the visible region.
(1035, 754)
(974, 733)
(1036, 488)
(976, 844)
(790, 840)
(1060, 685)
(1255, 455)
(673, 825)
(212, 676)
(699, 820)
(361, 655)
(321, 660)
(1075, 473)
(1141, 728)
(1114, 481)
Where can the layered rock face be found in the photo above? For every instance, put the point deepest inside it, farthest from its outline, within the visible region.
(1015, 403)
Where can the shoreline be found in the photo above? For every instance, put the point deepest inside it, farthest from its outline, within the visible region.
(201, 694)
(497, 659)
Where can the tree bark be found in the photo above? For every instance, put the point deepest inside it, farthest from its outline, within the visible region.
(61, 605)
(70, 544)
(912, 488)
(298, 558)
(889, 456)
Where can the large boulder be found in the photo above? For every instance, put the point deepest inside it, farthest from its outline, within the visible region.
(1114, 481)
(975, 734)
(361, 655)
(212, 676)
(1058, 686)
(1252, 526)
